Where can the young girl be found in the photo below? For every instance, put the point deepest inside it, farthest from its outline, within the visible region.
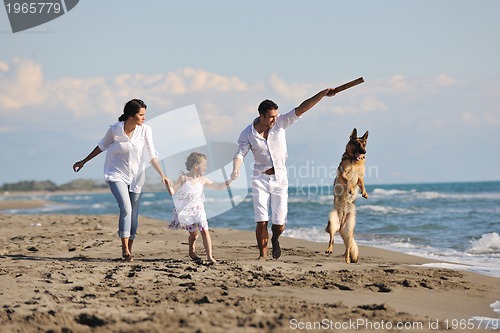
(189, 211)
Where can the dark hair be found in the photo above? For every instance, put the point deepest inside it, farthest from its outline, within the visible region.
(131, 108)
(194, 158)
(266, 106)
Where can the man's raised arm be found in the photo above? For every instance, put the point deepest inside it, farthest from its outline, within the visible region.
(309, 103)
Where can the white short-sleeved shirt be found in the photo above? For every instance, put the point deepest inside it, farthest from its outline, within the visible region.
(126, 157)
(271, 152)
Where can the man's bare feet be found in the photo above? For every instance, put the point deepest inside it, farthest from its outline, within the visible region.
(276, 248)
(194, 257)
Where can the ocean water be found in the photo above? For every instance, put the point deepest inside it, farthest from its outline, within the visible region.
(449, 222)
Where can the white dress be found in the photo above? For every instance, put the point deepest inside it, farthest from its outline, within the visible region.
(189, 210)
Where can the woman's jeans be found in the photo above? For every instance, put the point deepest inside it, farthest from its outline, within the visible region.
(129, 203)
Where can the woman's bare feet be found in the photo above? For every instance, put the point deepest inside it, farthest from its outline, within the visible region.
(127, 257)
(127, 249)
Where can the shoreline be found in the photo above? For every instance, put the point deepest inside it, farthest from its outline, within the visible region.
(18, 204)
(23, 204)
(65, 271)
(20, 194)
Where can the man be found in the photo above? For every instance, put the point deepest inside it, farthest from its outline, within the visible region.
(266, 138)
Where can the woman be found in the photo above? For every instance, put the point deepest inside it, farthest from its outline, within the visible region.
(127, 143)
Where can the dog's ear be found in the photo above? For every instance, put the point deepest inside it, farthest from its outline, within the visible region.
(354, 134)
(365, 136)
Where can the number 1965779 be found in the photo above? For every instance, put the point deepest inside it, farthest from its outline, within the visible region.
(33, 7)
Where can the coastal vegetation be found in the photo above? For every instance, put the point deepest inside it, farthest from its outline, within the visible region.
(48, 185)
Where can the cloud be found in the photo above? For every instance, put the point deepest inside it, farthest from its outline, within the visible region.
(421, 108)
(84, 97)
(491, 118)
(444, 80)
(218, 97)
(181, 81)
(372, 104)
(290, 92)
(469, 118)
(4, 67)
(398, 83)
(21, 84)
(195, 80)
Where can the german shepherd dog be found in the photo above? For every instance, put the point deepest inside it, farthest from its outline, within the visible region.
(350, 177)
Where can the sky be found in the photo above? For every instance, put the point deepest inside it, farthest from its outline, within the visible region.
(430, 100)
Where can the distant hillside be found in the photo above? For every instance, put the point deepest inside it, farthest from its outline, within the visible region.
(47, 185)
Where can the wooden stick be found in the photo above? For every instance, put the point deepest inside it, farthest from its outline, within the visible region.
(348, 85)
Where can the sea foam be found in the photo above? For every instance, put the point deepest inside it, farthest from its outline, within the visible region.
(487, 244)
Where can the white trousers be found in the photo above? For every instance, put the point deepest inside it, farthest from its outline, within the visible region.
(268, 191)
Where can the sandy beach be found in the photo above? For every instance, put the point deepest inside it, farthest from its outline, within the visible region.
(63, 273)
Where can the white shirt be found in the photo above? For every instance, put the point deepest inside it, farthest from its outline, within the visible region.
(125, 157)
(271, 152)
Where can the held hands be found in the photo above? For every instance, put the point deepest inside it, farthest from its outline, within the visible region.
(235, 174)
(168, 183)
(171, 187)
